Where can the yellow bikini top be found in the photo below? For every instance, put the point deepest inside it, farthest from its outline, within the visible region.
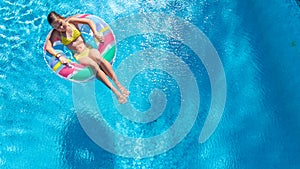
(75, 34)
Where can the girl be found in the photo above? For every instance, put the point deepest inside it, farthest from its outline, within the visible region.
(67, 31)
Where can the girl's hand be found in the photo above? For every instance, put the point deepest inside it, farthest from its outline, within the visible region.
(99, 38)
(62, 59)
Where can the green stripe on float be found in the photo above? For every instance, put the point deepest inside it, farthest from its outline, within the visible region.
(83, 74)
(110, 54)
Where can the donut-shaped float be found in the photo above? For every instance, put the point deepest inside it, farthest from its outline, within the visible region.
(74, 71)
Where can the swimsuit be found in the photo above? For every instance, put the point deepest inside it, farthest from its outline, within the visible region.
(75, 34)
(66, 41)
(84, 53)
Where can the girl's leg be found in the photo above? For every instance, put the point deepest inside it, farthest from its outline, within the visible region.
(107, 68)
(102, 77)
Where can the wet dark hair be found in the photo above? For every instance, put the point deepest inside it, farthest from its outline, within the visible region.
(52, 16)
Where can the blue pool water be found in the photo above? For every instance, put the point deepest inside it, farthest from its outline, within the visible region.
(258, 43)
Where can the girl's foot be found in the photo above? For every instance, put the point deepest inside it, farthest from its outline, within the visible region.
(124, 92)
(122, 99)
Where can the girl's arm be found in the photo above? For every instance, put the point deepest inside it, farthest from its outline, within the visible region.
(88, 22)
(49, 44)
(51, 50)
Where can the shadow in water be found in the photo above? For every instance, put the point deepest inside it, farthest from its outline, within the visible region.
(80, 152)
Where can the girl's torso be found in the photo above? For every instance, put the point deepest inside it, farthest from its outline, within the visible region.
(72, 38)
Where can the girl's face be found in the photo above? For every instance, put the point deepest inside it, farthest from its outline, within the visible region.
(60, 25)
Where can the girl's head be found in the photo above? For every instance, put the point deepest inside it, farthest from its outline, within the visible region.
(57, 21)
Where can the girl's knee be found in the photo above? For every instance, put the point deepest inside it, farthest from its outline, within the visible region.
(94, 66)
(91, 63)
(95, 55)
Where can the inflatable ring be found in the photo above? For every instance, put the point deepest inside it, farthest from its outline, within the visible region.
(74, 71)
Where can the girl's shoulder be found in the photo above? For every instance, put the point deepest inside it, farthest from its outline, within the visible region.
(54, 35)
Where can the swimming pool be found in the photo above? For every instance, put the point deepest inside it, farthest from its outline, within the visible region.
(257, 43)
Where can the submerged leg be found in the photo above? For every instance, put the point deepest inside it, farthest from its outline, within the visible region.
(102, 77)
(107, 68)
